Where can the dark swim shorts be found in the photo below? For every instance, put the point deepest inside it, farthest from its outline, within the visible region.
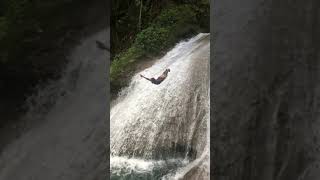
(156, 81)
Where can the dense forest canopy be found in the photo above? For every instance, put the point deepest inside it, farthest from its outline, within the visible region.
(129, 17)
(22, 23)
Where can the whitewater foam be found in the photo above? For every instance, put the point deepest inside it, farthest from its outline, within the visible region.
(153, 123)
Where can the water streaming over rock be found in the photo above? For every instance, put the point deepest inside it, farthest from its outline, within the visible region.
(161, 131)
(68, 142)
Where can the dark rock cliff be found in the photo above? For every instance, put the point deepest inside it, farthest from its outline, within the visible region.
(264, 89)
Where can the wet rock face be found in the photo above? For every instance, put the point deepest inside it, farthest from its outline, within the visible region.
(169, 120)
(265, 74)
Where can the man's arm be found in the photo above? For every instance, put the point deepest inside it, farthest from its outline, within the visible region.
(145, 77)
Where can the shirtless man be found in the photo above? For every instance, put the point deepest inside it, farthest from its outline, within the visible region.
(159, 79)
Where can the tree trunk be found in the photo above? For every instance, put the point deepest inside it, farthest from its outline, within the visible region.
(139, 23)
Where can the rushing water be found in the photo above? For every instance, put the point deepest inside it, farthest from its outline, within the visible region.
(161, 131)
(67, 138)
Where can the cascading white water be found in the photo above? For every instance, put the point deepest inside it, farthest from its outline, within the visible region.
(161, 131)
(68, 142)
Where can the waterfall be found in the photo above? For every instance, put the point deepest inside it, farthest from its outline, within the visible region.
(67, 140)
(157, 131)
(162, 131)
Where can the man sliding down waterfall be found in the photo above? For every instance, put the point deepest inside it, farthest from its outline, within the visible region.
(159, 79)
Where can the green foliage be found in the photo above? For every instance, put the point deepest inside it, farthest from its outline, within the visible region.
(21, 23)
(203, 14)
(175, 16)
(166, 29)
(152, 40)
(122, 61)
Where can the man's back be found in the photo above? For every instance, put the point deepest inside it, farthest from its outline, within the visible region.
(159, 79)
